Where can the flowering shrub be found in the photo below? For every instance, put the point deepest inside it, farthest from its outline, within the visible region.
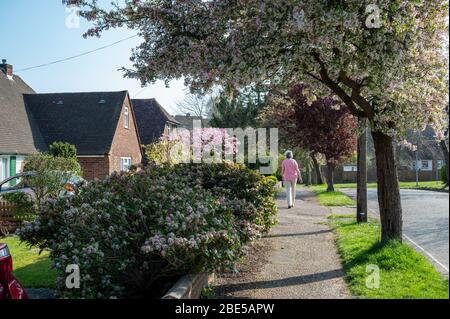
(198, 144)
(133, 234)
(234, 182)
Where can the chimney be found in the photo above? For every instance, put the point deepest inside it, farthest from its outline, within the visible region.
(6, 68)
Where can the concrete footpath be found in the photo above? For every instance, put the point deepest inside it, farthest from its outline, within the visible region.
(297, 260)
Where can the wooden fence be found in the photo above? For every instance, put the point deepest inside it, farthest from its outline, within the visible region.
(8, 220)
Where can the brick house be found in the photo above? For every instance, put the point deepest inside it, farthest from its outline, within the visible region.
(153, 120)
(102, 126)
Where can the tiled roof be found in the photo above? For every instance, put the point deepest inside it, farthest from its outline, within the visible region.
(151, 118)
(188, 120)
(87, 120)
(19, 133)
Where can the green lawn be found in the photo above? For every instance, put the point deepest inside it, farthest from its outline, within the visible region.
(331, 198)
(404, 273)
(434, 185)
(30, 268)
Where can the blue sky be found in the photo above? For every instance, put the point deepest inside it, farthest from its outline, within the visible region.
(35, 32)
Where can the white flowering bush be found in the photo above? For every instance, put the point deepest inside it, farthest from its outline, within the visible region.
(134, 234)
(248, 193)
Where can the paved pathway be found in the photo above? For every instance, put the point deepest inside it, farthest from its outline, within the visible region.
(425, 222)
(40, 293)
(297, 260)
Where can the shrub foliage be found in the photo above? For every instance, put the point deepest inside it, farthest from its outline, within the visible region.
(133, 233)
(63, 149)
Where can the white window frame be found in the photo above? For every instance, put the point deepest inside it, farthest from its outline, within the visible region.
(127, 117)
(350, 168)
(125, 163)
(5, 169)
(428, 167)
(440, 164)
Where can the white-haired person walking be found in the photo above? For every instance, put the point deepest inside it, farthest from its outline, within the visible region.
(291, 174)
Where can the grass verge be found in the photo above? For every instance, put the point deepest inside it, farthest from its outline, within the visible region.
(30, 268)
(433, 185)
(335, 198)
(404, 273)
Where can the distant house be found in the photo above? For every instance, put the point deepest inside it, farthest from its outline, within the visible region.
(19, 133)
(187, 121)
(101, 125)
(427, 160)
(153, 120)
(429, 157)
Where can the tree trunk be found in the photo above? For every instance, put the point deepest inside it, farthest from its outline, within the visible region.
(388, 188)
(308, 172)
(444, 148)
(317, 169)
(330, 182)
(361, 197)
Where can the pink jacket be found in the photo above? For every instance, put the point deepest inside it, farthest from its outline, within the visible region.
(289, 169)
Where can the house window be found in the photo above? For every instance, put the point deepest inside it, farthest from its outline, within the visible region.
(4, 168)
(426, 165)
(125, 164)
(169, 129)
(440, 164)
(350, 168)
(127, 118)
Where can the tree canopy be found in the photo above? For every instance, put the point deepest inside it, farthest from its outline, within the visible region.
(326, 126)
(386, 61)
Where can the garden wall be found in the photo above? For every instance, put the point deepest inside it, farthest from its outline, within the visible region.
(190, 286)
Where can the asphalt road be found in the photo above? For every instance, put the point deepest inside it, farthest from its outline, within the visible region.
(425, 222)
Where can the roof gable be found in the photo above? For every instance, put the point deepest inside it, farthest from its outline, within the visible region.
(151, 118)
(87, 120)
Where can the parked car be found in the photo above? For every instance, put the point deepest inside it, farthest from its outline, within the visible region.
(19, 183)
(10, 287)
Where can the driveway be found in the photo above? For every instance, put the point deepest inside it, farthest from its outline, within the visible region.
(425, 222)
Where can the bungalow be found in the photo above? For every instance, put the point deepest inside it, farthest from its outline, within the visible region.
(153, 120)
(102, 126)
(19, 133)
(423, 163)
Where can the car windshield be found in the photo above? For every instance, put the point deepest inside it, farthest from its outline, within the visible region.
(16, 182)
(21, 181)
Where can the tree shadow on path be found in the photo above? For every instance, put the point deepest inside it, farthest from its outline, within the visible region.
(291, 281)
(300, 234)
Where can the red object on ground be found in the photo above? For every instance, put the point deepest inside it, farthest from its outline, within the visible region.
(10, 287)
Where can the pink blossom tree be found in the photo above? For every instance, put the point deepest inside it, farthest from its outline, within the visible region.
(198, 145)
(384, 61)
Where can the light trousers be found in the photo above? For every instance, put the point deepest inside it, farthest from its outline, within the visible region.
(290, 191)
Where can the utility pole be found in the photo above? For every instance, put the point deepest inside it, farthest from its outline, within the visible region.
(361, 196)
(417, 161)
